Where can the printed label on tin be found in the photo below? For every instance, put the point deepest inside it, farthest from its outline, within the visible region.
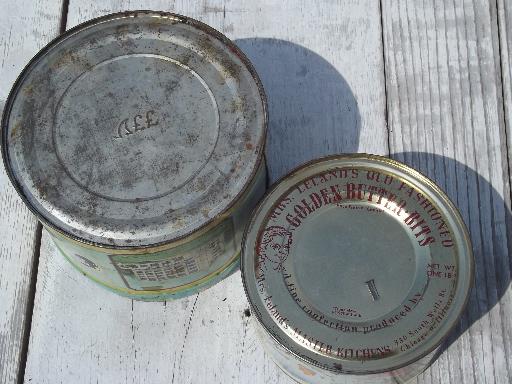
(357, 264)
(161, 270)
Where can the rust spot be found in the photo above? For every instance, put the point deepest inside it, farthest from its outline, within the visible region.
(249, 146)
(71, 58)
(230, 68)
(155, 26)
(29, 90)
(306, 371)
(125, 36)
(122, 31)
(185, 59)
(201, 185)
(237, 105)
(42, 189)
(15, 130)
(211, 53)
(179, 223)
(67, 57)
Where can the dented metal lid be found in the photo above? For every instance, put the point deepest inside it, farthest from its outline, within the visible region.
(357, 264)
(134, 129)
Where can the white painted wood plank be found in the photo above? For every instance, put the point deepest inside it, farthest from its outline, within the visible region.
(505, 33)
(25, 26)
(322, 68)
(445, 118)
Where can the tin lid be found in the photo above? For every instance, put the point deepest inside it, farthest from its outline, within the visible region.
(357, 264)
(134, 129)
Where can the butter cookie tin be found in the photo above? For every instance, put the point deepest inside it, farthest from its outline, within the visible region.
(356, 268)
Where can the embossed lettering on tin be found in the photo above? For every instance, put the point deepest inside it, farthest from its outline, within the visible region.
(138, 123)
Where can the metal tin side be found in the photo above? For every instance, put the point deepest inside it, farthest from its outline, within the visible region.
(305, 373)
(137, 133)
(172, 271)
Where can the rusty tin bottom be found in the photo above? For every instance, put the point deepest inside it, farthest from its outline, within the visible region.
(137, 139)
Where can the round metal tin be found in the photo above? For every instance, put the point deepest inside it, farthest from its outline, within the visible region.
(356, 267)
(138, 131)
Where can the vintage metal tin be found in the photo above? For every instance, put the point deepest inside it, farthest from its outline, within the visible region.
(137, 139)
(356, 267)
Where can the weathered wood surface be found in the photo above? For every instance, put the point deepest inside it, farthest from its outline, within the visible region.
(25, 27)
(446, 66)
(325, 86)
(445, 118)
(505, 45)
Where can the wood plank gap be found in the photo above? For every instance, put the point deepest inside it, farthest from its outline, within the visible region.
(462, 37)
(407, 103)
(502, 122)
(477, 292)
(30, 304)
(386, 110)
(64, 16)
(430, 83)
(503, 116)
(488, 283)
(180, 358)
(35, 259)
(502, 52)
(414, 118)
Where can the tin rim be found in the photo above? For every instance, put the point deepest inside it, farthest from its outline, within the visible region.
(404, 168)
(116, 16)
(167, 245)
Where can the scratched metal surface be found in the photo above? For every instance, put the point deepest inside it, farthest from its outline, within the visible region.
(428, 82)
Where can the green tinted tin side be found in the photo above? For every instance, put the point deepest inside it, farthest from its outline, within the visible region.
(174, 271)
(187, 290)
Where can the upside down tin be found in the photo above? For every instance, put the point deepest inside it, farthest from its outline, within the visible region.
(137, 139)
(356, 268)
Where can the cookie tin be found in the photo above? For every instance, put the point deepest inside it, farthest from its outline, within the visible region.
(356, 267)
(137, 139)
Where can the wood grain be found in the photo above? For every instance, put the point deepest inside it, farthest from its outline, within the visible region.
(505, 34)
(444, 91)
(322, 68)
(25, 27)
